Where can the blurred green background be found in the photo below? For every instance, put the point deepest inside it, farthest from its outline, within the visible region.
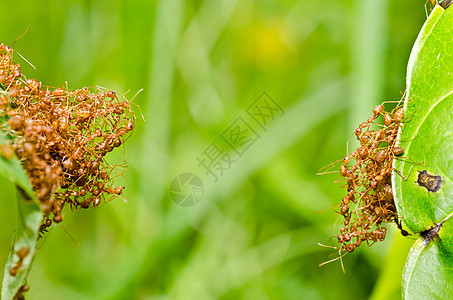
(201, 63)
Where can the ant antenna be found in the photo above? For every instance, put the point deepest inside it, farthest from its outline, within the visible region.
(21, 54)
(20, 36)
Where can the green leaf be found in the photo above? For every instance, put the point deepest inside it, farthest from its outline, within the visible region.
(29, 217)
(428, 273)
(427, 137)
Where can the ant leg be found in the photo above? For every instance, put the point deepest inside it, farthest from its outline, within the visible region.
(399, 224)
(410, 160)
(328, 168)
(407, 119)
(325, 209)
(403, 94)
(340, 257)
(426, 8)
(69, 234)
(401, 175)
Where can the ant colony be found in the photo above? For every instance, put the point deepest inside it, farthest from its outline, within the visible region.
(368, 206)
(61, 137)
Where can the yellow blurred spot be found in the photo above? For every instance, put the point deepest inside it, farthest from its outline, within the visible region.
(267, 43)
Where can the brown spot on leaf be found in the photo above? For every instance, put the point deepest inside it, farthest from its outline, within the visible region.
(431, 182)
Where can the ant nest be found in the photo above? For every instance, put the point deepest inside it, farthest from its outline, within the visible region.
(368, 206)
(61, 137)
